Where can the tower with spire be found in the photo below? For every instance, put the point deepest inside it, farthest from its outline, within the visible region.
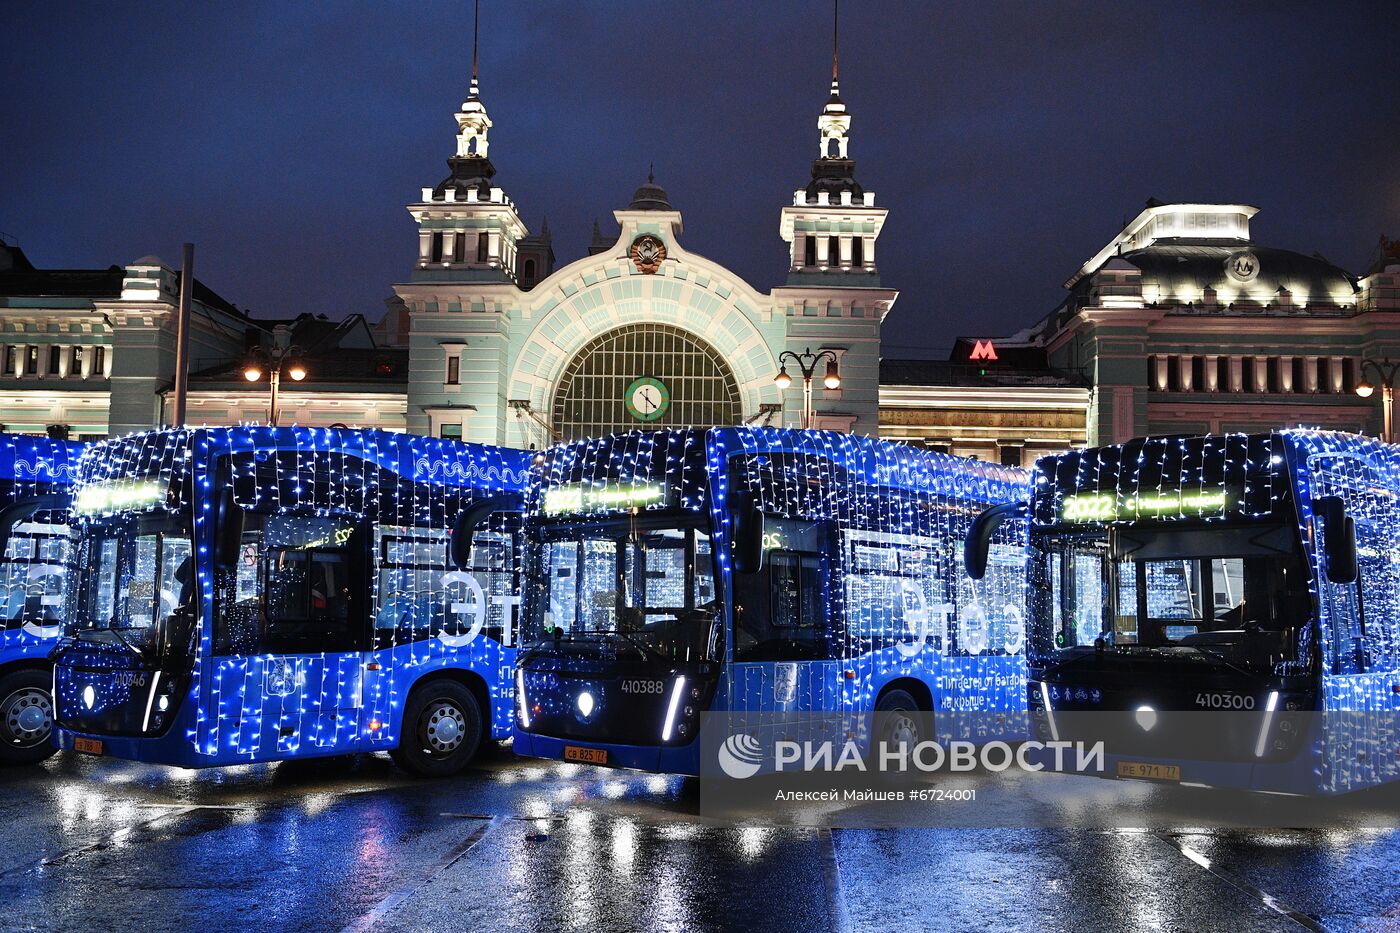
(833, 298)
(468, 229)
(833, 223)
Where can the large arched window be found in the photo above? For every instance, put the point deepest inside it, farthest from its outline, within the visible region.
(697, 385)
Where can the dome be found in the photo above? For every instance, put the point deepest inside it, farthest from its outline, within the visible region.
(650, 197)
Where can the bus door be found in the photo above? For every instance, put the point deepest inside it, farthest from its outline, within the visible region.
(785, 648)
(297, 612)
(1361, 630)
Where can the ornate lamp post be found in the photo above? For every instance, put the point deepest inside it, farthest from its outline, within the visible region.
(274, 360)
(1386, 371)
(807, 365)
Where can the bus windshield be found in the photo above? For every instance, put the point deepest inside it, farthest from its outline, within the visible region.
(1140, 587)
(642, 585)
(135, 577)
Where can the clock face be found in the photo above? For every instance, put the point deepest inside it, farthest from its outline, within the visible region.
(647, 399)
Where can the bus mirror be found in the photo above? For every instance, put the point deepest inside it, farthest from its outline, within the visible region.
(13, 514)
(746, 520)
(228, 530)
(459, 545)
(1339, 539)
(979, 536)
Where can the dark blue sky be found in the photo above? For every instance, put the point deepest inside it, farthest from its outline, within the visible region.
(1008, 140)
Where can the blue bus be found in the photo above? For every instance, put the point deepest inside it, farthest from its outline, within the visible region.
(35, 473)
(1226, 609)
(254, 594)
(678, 572)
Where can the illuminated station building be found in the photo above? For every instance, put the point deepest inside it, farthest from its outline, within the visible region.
(1179, 324)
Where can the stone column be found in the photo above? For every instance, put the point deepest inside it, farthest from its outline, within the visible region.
(823, 251)
(1310, 374)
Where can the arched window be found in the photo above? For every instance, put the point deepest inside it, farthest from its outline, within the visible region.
(529, 270)
(590, 400)
(833, 148)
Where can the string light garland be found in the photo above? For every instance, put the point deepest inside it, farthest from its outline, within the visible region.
(339, 600)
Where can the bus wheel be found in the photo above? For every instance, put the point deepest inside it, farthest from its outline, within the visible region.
(441, 729)
(26, 718)
(898, 716)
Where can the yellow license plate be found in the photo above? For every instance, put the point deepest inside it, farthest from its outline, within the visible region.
(1144, 771)
(90, 746)
(592, 756)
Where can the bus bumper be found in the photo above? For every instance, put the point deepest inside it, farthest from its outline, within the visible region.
(661, 759)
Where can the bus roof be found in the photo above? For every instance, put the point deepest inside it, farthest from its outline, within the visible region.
(409, 455)
(33, 459)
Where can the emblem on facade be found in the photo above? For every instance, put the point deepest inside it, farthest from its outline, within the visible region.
(648, 253)
(1242, 267)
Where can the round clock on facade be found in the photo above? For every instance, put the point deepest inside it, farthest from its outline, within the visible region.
(647, 399)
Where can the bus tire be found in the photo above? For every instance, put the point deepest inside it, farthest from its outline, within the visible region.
(442, 729)
(26, 717)
(898, 717)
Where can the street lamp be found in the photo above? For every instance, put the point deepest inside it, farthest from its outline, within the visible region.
(807, 365)
(274, 361)
(1385, 371)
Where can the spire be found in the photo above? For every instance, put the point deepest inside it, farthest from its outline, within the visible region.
(544, 228)
(835, 121)
(472, 121)
(598, 243)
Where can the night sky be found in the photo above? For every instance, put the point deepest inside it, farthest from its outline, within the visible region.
(1008, 140)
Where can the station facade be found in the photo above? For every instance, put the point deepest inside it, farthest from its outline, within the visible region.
(1180, 324)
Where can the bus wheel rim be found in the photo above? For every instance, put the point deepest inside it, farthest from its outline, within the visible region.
(28, 717)
(903, 730)
(445, 728)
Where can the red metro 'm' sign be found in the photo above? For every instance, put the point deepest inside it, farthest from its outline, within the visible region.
(983, 351)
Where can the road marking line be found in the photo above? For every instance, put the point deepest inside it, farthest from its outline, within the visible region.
(404, 892)
(1239, 884)
(99, 845)
(836, 897)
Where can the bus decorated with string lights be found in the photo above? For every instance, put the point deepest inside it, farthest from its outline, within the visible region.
(35, 474)
(253, 594)
(758, 571)
(1221, 610)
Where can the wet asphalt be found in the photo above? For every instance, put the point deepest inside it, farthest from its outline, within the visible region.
(356, 844)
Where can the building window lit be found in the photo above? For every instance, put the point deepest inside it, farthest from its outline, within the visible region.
(75, 362)
(591, 399)
(450, 432)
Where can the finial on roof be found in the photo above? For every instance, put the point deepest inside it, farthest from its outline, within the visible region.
(651, 173)
(835, 32)
(476, 28)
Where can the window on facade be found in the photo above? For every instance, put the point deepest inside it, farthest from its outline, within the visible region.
(857, 252)
(451, 432)
(55, 360)
(454, 370)
(436, 254)
(833, 254)
(1010, 456)
(1247, 366)
(459, 247)
(591, 399)
(1275, 376)
(31, 361)
(10, 360)
(1349, 368)
(1173, 374)
(75, 361)
(1222, 374)
(1198, 373)
(1299, 375)
(810, 250)
(1320, 368)
(529, 276)
(99, 361)
(483, 243)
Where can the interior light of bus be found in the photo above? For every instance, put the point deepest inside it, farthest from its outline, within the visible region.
(671, 709)
(1107, 507)
(584, 498)
(119, 495)
(1269, 706)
